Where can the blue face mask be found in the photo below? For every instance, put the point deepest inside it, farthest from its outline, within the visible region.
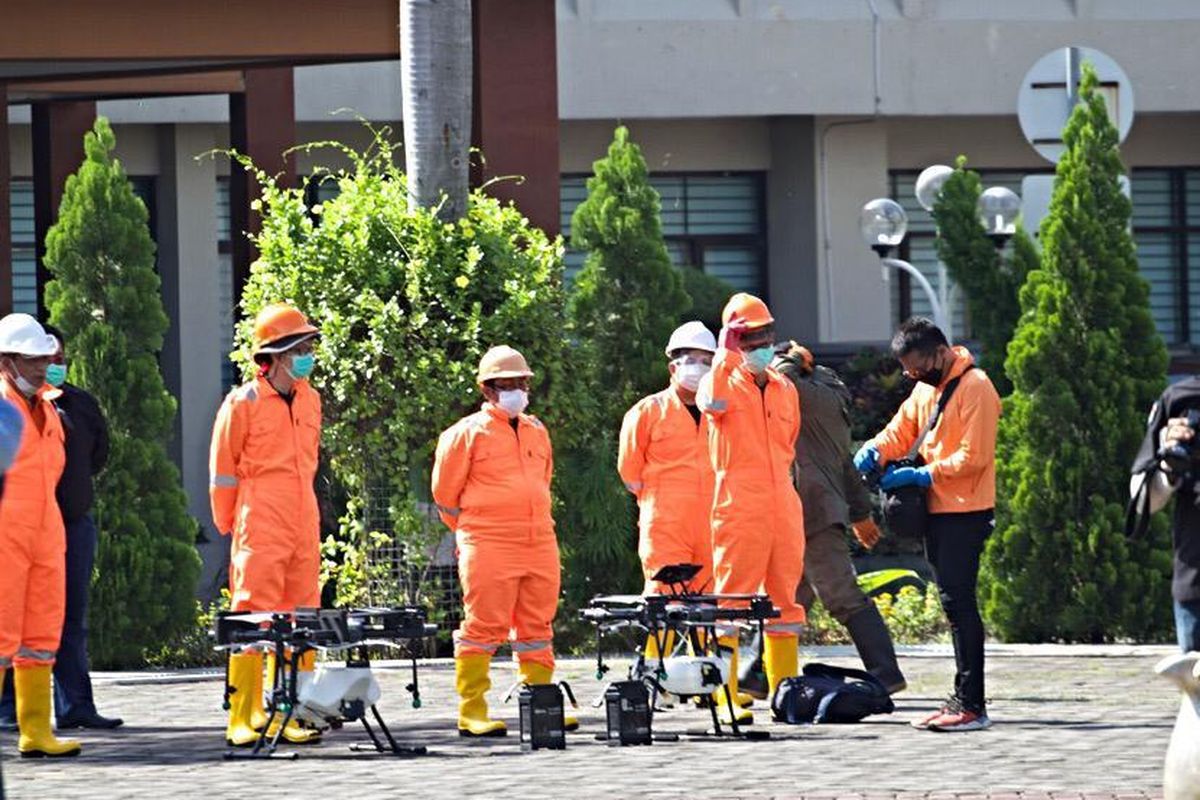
(56, 374)
(759, 358)
(302, 366)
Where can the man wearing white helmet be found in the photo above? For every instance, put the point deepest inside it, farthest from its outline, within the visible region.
(32, 537)
(663, 460)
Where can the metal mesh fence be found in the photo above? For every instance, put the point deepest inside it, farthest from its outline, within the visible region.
(399, 575)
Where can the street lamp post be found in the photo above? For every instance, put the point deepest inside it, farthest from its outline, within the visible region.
(884, 224)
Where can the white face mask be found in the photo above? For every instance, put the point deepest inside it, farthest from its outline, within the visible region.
(688, 375)
(23, 386)
(513, 401)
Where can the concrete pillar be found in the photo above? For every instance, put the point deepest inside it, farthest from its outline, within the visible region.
(58, 130)
(192, 354)
(792, 240)
(262, 125)
(515, 121)
(6, 276)
(852, 168)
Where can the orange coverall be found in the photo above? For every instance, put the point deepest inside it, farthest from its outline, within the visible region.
(491, 483)
(262, 465)
(757, 518)
(663, 460)
(33, 544)
(961, 450)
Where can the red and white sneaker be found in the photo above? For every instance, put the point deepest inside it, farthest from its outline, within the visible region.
(960, 720)
(950, 706)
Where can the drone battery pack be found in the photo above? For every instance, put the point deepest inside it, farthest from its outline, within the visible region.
(627, 704)
(542, 726)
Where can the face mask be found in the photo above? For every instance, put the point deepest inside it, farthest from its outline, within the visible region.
(932, 376)
(760, 358)
(513, 401)
(302, 366)
(56, 374)
(689, 375)
(25, 387)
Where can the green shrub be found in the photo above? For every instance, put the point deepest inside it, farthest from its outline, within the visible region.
(912, 617)
(192, 646)
(105, 297)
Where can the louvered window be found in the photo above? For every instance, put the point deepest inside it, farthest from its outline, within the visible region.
(713, 222)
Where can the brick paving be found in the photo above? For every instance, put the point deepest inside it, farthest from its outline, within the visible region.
(1069, 723)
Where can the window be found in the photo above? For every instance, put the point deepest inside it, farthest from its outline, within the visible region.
(714, 222)
(229, 372)
(24, 238)
(1166, 228)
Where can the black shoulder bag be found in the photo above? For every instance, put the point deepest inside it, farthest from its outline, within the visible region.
(905, 509)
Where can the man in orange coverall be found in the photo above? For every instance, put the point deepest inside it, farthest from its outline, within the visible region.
(663, 460)
(757, 518)
(491, 483)
(33, 544)
(262, 465)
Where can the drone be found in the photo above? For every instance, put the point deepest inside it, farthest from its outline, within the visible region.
(694, 617)
(333, 693)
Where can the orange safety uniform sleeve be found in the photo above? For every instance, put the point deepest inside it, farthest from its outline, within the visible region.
(225, 451)
(632, 446)
(451, 465)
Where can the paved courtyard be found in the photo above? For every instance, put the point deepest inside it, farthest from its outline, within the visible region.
(1069, 723)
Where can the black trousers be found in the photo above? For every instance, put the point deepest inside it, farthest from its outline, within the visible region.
(953, 544)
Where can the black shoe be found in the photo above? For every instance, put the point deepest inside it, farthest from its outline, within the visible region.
(8, 725)
(89, 720)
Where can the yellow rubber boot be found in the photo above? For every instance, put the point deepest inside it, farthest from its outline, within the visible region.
(293, 733)
(37, 740)
(472, 682)
(243, 667)
(535, 674)
(258, 715)
(742, 715)
(781, 659)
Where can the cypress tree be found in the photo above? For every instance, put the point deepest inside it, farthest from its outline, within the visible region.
(1086, 363)
(628, 297)
(105, 297)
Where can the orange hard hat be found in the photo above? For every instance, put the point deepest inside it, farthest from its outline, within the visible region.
(803, 355)
(502, 361)
(280, 327)
(746, 311)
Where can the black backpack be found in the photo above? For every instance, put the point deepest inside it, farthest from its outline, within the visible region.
(830, 695)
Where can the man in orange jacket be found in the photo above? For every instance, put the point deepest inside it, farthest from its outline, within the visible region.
(32, 537)
(663, 459)
(959, 470)
(262, 465)
(491, 483)
(757, 517)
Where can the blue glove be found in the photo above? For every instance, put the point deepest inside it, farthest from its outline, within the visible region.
(896, 477)
(11, 423)
(867, 458)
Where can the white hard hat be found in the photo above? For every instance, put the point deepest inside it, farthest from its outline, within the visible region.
(22, 335)
(692, 336)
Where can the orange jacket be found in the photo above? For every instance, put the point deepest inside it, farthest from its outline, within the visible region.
(752, 431)
(661, 444)
(961, 450)
(263, 460)
(29, 504)
(492, 480)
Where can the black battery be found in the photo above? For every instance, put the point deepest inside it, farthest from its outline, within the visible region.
(542, 717)
(627, 704)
